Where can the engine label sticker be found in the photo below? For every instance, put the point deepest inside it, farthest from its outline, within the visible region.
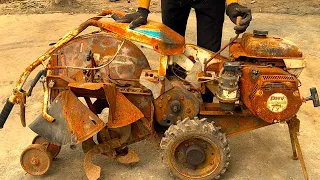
(277, 102)
(229, 95)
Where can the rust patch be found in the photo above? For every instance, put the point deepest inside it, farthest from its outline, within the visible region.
(125, 112)
(166, 41)
(82, 122)
(237, 122)
(264, 47)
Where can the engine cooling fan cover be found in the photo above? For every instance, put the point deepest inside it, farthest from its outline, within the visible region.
(276, 98)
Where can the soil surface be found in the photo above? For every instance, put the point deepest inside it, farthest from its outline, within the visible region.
(28, 26)
(261, 154)
(299, 7)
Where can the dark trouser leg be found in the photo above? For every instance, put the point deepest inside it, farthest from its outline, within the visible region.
(175, 15)
(210, 18)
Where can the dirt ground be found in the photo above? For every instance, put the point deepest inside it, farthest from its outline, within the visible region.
(300, 7)
(260, 154)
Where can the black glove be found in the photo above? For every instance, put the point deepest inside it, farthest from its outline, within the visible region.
(233, 11)
(136, 19)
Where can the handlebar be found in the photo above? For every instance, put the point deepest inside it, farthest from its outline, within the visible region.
(5, 112)
(68, 37)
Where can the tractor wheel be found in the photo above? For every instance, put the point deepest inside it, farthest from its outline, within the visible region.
(35, 159)
(195, 149)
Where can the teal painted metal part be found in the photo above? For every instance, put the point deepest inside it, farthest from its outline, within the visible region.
(148, 32)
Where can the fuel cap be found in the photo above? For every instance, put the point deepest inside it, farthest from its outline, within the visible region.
(260, 33)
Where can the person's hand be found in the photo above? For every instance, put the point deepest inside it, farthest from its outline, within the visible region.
(136, 19)
(233, 11)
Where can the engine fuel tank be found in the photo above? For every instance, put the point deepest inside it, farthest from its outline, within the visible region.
(259, 45)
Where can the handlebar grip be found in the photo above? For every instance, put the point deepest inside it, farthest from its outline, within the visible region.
(5, 112)
(115, 17)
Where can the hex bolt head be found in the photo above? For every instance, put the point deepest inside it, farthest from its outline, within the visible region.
(164, 117)
(34, 161)
(161, 78)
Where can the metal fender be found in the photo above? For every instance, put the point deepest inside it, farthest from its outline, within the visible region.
(74, 122)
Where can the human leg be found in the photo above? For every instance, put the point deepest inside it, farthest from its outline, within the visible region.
(210, 18)
(175, 14)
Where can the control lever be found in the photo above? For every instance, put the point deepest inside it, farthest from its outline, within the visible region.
(115, 17)
(35, 80)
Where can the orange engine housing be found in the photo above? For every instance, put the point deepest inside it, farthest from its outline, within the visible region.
(270, 93)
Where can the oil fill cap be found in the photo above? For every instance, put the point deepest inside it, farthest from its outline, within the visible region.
(260, 33)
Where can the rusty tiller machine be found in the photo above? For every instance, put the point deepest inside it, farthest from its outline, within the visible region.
(195, 99)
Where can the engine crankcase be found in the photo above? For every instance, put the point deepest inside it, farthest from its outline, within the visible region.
(272, 94)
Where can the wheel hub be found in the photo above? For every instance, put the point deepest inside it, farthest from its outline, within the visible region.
(34, 161)
(195, 155)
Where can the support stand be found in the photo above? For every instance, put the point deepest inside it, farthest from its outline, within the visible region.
(294, 126)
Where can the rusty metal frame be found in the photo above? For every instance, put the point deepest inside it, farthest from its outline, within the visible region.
(40, 60)
(232, 123)
(122, 111)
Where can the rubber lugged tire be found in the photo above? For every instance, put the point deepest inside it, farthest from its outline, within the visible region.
(191, 128)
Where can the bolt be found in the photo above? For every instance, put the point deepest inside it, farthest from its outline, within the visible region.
(34, 161)
(73, 147)
(51, 84)
(259, 93)
(161, 78)
(188, 110)
(169, 97)
(160, 105)
(164, 117)
(296, 93)
(175, 108)
(74, 139)
(276, 121)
